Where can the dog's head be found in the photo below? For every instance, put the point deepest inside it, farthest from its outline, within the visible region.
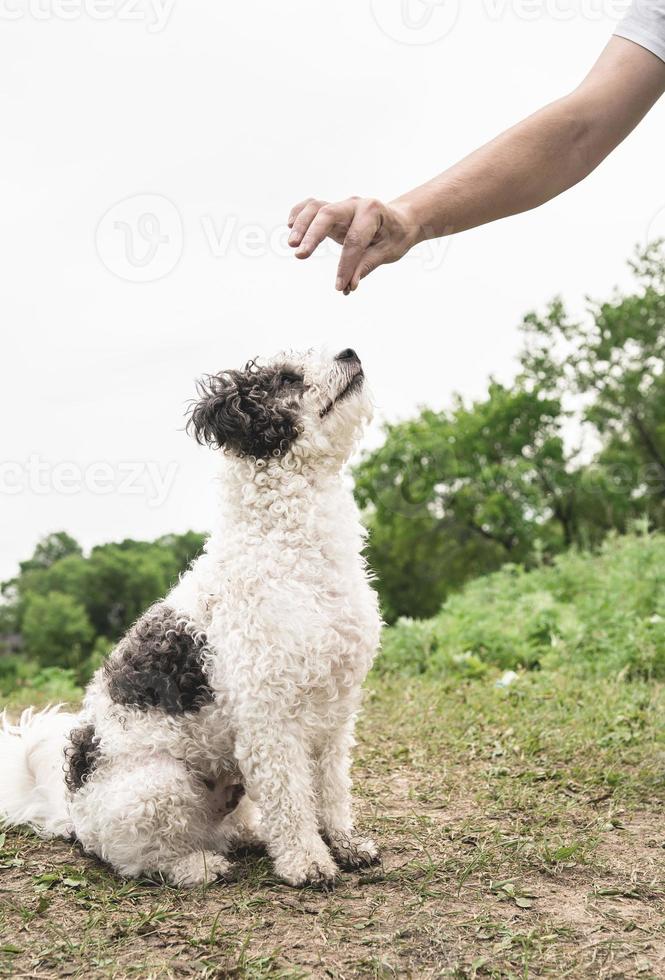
(311, 406)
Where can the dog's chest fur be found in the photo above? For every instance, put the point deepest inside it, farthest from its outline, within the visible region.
(285, 598)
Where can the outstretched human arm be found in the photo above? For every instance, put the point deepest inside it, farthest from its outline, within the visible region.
(521, 169)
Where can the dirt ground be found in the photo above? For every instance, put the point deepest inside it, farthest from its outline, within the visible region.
(523, 835)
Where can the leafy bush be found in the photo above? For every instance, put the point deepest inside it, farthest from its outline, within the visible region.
(14, 671)
(601, 614)
(54, 684)
(29, 683)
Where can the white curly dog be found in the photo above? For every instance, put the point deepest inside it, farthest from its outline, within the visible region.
(225, 716)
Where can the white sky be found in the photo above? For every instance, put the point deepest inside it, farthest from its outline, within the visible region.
(232, 111)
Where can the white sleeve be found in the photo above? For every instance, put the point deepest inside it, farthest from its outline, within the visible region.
(645, 25)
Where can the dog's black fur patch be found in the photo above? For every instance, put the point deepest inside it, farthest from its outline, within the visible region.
(159, 664)
(251, 413)
(81, 756)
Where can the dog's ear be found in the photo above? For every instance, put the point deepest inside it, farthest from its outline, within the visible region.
(239, 411)
(213, 417)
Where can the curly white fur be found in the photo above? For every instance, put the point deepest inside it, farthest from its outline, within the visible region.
(292, 624)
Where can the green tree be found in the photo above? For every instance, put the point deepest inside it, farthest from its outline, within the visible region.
(184, 547)
(450, 495)
(56, 630)
(113, 585)
(122, 581)
(51, 549)
(615, 360)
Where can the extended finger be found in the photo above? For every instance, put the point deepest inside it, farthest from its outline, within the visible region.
(374, 257)
(360, 235)
(303, 221)
(329, 222)
(296, 209)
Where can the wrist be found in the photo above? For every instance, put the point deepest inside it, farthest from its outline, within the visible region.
(410, 220)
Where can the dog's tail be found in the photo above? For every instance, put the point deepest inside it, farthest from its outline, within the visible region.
(32, 777)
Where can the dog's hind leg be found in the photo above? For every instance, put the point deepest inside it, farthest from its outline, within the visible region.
(240, 829)
(149, 820)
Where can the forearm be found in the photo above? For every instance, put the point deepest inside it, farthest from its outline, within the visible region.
(519, 170)
(545, 154)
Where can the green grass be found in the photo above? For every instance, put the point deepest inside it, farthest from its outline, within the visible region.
(522, 835)
(594, 615)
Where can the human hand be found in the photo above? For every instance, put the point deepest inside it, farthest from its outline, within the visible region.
(371, 233)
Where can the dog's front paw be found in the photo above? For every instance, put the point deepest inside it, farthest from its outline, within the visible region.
(307, 868)
(200, 868)
(354, 852)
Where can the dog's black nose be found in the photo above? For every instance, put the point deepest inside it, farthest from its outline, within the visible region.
(348, 354)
